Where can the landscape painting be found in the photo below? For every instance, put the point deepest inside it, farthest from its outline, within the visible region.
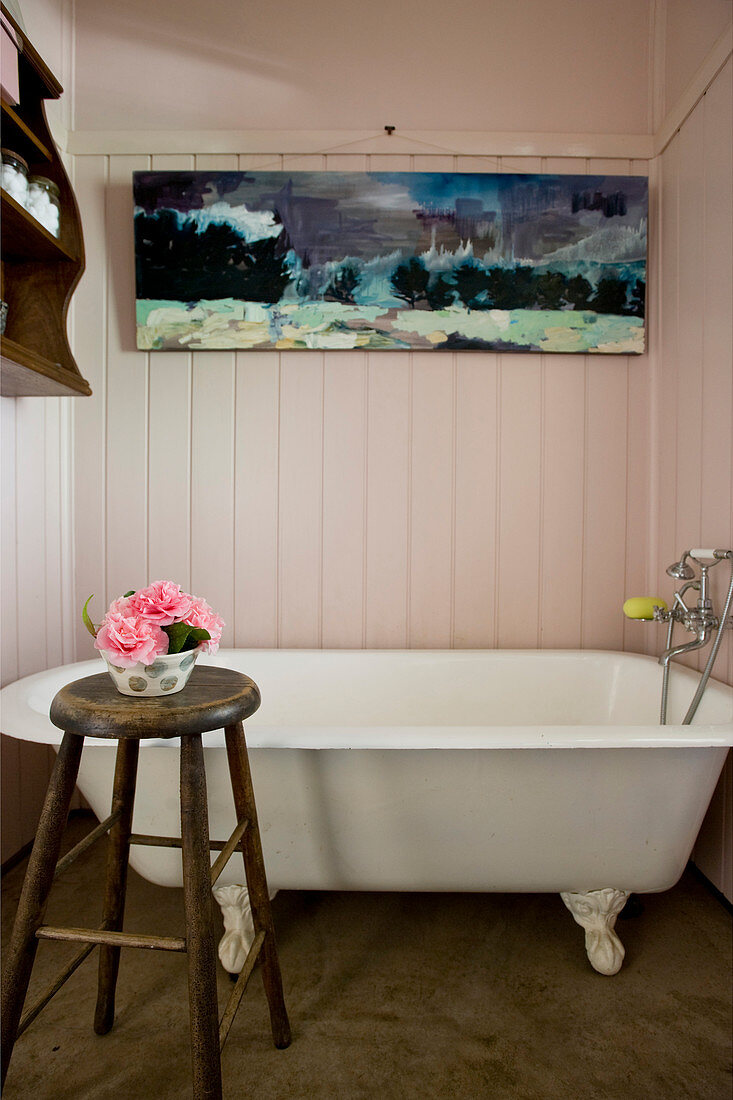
(390, 260)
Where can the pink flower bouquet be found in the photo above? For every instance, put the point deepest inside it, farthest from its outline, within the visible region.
(142, 629)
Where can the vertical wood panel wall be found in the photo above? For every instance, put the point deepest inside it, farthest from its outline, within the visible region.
(332, 499)
(693, 460)
(36, 580)
(374, 500)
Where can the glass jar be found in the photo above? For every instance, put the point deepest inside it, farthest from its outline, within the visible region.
(14, 179)
(44, 203)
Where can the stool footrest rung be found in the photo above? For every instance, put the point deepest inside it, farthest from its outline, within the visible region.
(241, 984)
(55, 986)
(171, 841)
(86, 842)
(228, 850)
(112, 939)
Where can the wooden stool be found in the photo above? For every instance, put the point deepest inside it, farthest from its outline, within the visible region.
(213, 698)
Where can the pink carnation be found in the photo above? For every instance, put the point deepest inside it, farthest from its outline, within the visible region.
(120, 606)
(205, 618)
(162, 602)
(129, 639)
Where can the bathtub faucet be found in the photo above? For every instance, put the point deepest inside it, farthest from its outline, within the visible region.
(701, 620)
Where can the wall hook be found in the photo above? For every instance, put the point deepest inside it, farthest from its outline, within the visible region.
(390, 130)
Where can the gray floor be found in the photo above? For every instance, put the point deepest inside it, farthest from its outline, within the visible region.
(400, 996)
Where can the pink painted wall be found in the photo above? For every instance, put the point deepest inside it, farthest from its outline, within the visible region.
(690, 33)
(693, 387)
(290, 65)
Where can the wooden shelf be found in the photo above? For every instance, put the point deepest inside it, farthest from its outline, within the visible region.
(39, 271)
(24, 373)
(24, 238)
(19, 137)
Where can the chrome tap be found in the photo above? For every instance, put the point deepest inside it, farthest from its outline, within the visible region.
(701, 619)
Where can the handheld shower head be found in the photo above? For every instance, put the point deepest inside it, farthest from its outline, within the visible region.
(680, 570)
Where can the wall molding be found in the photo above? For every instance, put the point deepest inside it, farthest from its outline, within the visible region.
(469, 143)
(695, 90)
(359, 142)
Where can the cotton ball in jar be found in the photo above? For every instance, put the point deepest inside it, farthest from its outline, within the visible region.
(14, 178)
(43, 203)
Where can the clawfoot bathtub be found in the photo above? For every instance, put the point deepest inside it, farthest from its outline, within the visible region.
(429, 770)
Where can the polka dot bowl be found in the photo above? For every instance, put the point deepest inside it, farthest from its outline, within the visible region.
(167, 674)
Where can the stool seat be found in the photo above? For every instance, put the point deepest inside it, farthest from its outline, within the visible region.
(213, 698)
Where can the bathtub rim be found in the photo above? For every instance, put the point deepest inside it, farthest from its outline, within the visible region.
(21, 721)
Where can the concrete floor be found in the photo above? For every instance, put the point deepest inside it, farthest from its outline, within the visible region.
(398, 996)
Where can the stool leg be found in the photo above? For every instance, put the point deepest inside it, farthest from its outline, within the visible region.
(118, 851)
(36, 888)
(200, 939)
(254, 867)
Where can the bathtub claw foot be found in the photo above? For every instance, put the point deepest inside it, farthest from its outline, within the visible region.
(239, 931)
(596, 911)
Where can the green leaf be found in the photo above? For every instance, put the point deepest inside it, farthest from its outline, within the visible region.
(184, 636)
(130, 593)
(85, 618)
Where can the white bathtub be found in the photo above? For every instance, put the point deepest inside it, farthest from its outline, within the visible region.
(442, 770)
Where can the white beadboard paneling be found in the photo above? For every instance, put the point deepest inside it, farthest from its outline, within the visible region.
(32, 630)
(604, 541)
(169, 450)
(54, 502)
(31, 535)
(212, 484)
(169, 468)
(346, 162)
(388, 494)
(90, 413)
(475, 558)
(386, 162)
(482, 164)
(563, 485)
(33, 577)
(310, 162)
(259, 162)
(520, 489)
(344, 458)
(641, 434)
(213, 402)
(301, 499)
(126, 394)
(256, 488)
(432, 478)
(432, 162)
(638, 517)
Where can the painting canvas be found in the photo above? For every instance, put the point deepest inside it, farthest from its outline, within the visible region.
(390, 260)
